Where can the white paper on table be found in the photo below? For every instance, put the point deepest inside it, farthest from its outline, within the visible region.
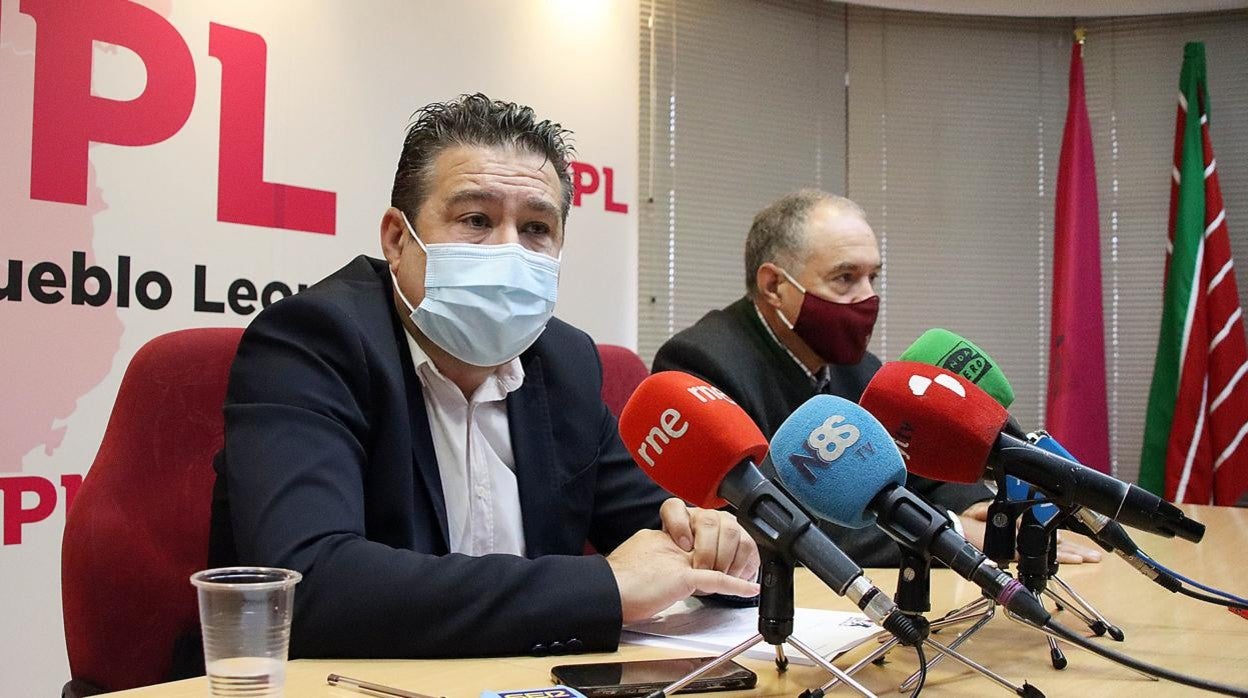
(692, 625)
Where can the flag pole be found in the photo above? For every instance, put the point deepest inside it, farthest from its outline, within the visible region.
(1076, 410)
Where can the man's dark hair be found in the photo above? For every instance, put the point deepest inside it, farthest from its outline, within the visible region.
(778, 234)
(475, 120)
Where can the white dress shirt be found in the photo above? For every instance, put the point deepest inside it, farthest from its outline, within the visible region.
(475, 461)
(820, 380)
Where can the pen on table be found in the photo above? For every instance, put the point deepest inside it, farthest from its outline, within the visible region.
(339, 680)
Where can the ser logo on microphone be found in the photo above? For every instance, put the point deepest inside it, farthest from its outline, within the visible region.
(827, 443)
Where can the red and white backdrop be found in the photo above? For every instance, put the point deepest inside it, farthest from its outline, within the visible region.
(180, 163)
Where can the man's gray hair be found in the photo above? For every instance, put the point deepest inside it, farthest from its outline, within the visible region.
(778, 234)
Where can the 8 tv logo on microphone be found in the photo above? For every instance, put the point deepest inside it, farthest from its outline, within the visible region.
(830, 439)
(826, 443)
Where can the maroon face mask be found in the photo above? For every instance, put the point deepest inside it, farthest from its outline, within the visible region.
(837, 332)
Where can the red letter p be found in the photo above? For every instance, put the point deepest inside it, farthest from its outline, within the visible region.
(14, 515)
(67, 117)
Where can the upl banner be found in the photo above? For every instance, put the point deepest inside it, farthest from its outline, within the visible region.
(184, 163)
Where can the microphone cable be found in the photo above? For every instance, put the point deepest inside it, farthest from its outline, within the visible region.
(1225, 598)
(1174, 582)
(1151, 669)
(918, 650)
(1117, 541)
(1215, 600)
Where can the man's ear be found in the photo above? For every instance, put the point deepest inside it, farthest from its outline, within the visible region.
(393, 234)
(767, 279)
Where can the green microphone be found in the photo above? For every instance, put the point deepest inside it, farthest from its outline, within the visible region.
(956, 354)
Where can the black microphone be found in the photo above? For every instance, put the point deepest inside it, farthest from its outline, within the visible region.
(841, 463)
(1107, 533)
(1068, 483)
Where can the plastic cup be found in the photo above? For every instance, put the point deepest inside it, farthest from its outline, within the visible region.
(244, 613)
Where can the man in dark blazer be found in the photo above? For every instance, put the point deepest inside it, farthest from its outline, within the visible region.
(428, 446)
(802, 329)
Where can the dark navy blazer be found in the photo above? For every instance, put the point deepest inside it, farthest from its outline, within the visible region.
(329, 469)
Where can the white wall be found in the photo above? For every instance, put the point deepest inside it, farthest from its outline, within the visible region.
(342, 80)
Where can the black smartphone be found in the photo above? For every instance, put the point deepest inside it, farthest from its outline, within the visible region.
(643, 677)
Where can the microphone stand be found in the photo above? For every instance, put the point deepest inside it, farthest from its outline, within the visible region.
(913, 598)
(1036, 544)
(1037, 565)
(1067, 597)
(775, 627)
(1071, 600)
(999, 547)
(1036, 560)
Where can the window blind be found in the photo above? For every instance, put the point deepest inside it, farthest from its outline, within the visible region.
(741, 101)
(955, 125)
(948, 134)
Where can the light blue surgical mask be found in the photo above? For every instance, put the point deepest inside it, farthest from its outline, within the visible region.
(484, 304)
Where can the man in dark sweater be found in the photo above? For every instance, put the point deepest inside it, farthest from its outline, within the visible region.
(802, 329)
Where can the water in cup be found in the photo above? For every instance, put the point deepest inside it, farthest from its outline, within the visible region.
(247, 676)
(244, 613)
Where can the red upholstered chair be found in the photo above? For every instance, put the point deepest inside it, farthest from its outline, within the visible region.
(138, 526)
(622, 372)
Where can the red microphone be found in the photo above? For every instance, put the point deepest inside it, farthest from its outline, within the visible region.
(698, 444)
(687, 434)
(950, 429)
(944, 425)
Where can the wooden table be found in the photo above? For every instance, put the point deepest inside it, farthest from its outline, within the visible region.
(1161, 628)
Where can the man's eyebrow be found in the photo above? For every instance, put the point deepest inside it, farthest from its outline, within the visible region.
(850, 266)
(533, 203)
(539, 205)
(473, 196)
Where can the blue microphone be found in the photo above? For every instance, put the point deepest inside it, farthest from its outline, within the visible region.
(1020, 491)
(840, 462)
(835, 456)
